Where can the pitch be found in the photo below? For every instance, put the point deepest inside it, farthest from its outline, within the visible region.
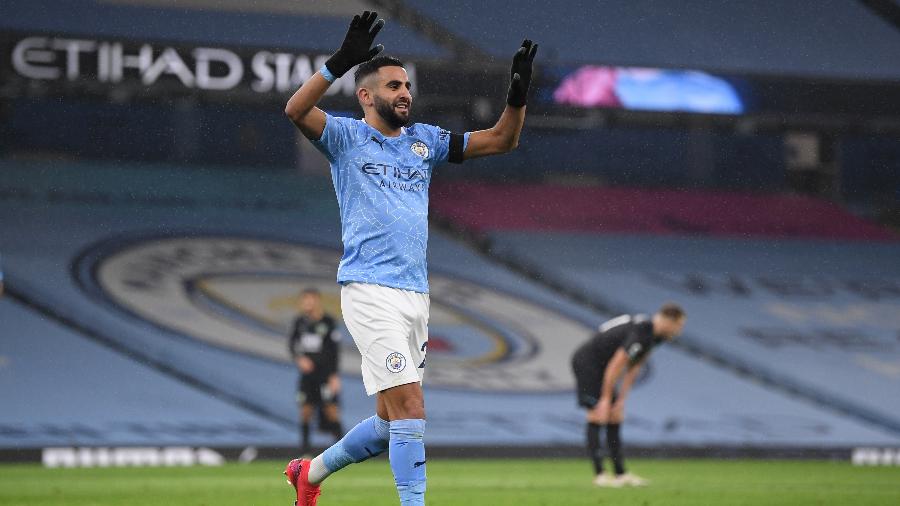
(457, 482)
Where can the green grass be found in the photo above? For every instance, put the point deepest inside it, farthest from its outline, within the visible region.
(463, 483)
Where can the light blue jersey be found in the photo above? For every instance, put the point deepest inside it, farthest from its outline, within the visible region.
(381, 185)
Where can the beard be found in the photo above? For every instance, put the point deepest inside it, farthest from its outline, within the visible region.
(387, 112)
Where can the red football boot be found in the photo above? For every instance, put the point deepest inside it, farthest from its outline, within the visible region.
(297, 472)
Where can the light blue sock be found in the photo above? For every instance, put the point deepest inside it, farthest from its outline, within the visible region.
(407, 455)
(368, 439)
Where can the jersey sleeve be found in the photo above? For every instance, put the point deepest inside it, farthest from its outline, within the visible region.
(636, 346)
(447, 146)
(336, 138)
(330, 350)
(292, 341)
(335, 358)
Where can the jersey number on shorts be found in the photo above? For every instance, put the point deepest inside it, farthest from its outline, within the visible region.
(424, 345)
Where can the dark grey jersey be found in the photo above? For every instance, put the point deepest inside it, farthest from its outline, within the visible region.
(317, 340)
(632, 333)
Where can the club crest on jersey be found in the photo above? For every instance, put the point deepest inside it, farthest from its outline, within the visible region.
(420, 149)
(395, 362)
(635, 349)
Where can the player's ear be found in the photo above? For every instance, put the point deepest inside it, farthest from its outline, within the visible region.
(363, 95)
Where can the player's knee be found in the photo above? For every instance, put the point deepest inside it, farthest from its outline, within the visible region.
(410, 408)
(404, 402)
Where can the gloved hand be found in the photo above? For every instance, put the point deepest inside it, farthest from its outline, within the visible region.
(520, 74)
(356, 46)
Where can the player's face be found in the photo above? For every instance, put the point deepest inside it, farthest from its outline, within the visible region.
(671, 328)
(391, 96)
(310, 304)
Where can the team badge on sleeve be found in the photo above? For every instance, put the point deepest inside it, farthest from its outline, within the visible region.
(634, 351)
(420, 149)
(395, 362)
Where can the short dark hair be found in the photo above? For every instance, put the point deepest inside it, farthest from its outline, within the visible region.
(311, 291)
(672, 311)
(372, 66)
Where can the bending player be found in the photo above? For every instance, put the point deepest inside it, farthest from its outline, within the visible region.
(381, 168)
(613, 355)
(314, 347)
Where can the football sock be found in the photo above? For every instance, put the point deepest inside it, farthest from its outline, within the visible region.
(368, 439)
(337, 430)
(407, 456)
(593, 445)
(615, 447)
(304, 437)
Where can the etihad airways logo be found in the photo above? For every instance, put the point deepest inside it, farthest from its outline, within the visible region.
(398, 178)
(116, 62)
(383, 169)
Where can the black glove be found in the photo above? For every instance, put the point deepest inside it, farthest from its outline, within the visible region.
(520, 74)
(355, 49)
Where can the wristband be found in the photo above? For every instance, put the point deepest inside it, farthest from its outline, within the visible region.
(327, 74)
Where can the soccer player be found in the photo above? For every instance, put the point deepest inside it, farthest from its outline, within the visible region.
(605, 368)
(381, 168)
(314, 347)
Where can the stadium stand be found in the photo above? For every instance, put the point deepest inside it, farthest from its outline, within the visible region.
(793, 291)
(306, 25)
(333, 8)
(185, 278)
(60, 388)
(628, 210)
(148, 295)
(230, 135)
(771, 37)
(624, 157)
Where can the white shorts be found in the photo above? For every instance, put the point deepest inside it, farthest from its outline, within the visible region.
(390, 329)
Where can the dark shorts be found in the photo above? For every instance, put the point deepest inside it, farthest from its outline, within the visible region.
(312, 390)
(588, 383)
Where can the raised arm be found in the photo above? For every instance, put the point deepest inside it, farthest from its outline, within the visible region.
(301, 107)
(503, 137)
(302, 110)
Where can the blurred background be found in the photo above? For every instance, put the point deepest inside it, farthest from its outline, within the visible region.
(159, 216)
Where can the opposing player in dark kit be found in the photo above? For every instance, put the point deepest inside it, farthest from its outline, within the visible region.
(314, 347)
(605, 368)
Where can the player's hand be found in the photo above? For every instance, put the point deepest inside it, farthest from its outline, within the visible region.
(334, 384)
(617, 412)
(357, 44)
(600, 413)
(520, 74)
(306, 365)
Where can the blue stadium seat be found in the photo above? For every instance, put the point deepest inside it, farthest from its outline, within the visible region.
(62, 389)
(69, 221)
(817, 316)
(832, 38)
(89, 18)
